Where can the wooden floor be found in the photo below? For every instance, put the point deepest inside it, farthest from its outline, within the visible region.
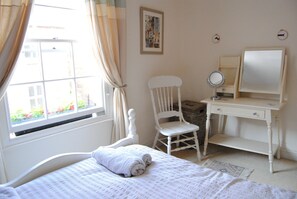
(285, 175)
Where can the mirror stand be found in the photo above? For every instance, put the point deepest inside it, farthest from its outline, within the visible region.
(215, 95)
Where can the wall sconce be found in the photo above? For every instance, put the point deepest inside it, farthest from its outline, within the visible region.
(282, 34)
(216, 38)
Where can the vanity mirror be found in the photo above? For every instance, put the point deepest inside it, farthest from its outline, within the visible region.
(215, 80)
(262, 71)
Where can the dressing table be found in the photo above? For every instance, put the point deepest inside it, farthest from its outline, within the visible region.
(260, 96)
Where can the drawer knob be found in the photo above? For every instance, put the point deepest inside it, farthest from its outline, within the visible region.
(255, 113)
(218, 109)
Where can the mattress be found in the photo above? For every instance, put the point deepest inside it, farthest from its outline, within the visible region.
(166, 177)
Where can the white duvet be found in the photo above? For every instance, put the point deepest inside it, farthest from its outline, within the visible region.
(166, 177)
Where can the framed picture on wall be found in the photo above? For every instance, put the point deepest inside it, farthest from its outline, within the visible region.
(152, 31)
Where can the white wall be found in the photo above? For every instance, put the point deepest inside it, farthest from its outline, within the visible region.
(189, 53)
(241, 24)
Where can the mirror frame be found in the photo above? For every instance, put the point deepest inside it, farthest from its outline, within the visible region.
(214, 84)
(281, 71)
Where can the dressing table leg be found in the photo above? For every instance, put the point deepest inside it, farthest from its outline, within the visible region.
(269, 131)
(277, 121)
(206, 130)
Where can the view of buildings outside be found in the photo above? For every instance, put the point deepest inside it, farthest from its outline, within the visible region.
(56, 72)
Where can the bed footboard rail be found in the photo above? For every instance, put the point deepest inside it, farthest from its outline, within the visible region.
(132, 137)
(47, 166)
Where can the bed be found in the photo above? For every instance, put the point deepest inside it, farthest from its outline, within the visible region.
(80, 176)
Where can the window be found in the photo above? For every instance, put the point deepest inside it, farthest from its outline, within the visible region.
(57, 78)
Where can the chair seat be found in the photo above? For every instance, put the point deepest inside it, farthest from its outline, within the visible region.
(177, 128)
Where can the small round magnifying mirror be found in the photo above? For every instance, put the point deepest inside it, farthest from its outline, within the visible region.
(215, 80)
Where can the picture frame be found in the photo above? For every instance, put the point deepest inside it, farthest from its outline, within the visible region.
(151, 31)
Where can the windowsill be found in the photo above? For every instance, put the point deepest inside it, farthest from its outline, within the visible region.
(67, 128)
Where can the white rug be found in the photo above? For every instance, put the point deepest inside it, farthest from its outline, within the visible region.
(234, 170)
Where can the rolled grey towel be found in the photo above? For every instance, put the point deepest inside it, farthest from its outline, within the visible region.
(146, 157)
(119, 161)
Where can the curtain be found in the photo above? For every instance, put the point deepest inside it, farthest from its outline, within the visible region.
(107, 18)
(14, 17)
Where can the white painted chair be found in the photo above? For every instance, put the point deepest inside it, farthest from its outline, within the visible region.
(165, 90)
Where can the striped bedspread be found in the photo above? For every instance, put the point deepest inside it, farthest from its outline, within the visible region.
(166, 177)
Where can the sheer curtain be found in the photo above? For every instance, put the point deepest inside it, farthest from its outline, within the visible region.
(106, 17)
(14, 17)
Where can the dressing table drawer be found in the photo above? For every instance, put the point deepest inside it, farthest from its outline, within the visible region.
(238, 112)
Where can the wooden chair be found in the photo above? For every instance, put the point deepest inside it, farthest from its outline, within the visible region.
(164, 91)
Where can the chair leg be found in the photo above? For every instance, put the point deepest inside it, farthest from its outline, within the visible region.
(197, 146)
(177, 144)
(168, 145)
(156, 139)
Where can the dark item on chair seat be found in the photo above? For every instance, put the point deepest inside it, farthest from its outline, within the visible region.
(194, 113)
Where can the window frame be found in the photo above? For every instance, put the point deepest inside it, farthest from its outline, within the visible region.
(9, 139)
(98, 114)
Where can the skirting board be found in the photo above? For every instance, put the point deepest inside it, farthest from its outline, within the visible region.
(290, 155)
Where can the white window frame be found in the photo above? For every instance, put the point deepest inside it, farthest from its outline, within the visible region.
(9, 139)
(98, 115)
(46, 121)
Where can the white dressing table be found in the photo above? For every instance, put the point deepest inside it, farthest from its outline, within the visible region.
(258, 109)
(257, 92)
